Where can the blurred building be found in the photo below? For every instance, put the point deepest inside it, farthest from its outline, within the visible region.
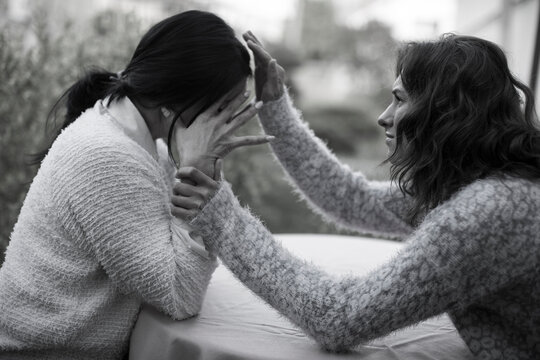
(510, 23)
(340, 63)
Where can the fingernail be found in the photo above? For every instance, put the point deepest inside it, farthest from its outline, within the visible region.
(270, 137)
(246, 94)
(258, 104)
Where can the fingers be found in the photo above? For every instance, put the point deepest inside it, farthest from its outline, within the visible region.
(261, 56)
(243, 117)
(197, 176)
(238, 90)
(189, 199)
(218, 169)
(249, 141)
(187, 203)
(250, 36)
(273, 76)
(184, 214)
(274, 86)
(230, 108)
(243, 111)
(185, 189)
(189, 189)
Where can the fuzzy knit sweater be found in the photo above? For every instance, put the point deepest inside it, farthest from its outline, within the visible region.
(94, 239)
(475, 257)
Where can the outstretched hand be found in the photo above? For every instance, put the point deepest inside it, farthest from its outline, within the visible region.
(269, 75)
(210, 136)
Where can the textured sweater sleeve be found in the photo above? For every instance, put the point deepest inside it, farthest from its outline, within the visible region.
(332, 189)
(114, 203)
(461, 252)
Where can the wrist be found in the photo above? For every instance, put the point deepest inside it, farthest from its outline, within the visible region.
(205, 163)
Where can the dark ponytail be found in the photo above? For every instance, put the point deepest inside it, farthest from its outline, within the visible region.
(94, 85)
(192, 58)
(84, 93)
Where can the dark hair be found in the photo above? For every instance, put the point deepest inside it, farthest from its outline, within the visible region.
(187, 60)
(467, 120)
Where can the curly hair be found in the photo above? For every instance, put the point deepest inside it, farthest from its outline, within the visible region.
(469, 118)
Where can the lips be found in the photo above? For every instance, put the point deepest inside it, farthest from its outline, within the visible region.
(390, 136)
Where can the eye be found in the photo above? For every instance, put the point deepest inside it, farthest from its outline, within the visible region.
(398, 99)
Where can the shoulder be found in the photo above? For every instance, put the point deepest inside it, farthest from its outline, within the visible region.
(94, 152)
(497, 202)
(93, 142)
(497, 192)
(90, 133)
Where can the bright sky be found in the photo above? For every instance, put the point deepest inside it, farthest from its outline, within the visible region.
(410, 19)
(264, 17)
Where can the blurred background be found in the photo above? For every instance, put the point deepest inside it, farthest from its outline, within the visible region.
(339, 56)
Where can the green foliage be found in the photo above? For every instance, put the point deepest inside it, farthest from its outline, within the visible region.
(37, 65)
(342, 128)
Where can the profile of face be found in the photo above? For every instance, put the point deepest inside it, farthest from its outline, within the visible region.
(393, 114)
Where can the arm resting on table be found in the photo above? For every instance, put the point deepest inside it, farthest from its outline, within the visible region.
(458, 255)
(118, 209)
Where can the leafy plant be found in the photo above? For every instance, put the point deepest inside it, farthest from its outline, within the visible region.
(36, 66)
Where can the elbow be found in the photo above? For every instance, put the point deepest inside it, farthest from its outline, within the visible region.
(188, 304)
(189, 290)
(334, 340)
(183, 312)
(334, 333)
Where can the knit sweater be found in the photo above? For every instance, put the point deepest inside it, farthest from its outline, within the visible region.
(476, 256)
(94, 240)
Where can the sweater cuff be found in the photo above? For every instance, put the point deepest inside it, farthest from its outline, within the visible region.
(276, 115)
(217, 217)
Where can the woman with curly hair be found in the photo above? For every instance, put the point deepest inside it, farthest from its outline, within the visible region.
(464, 146)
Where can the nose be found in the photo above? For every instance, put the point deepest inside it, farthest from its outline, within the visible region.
(386, 119)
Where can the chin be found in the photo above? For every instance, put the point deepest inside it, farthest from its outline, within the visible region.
(389, 153)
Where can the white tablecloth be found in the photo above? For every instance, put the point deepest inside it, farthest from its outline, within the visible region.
(235, 324)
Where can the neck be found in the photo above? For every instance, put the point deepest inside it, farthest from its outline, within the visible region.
(152, 118)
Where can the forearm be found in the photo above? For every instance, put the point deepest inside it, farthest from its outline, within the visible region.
(446, 265)
(267, 268)
(345, 197)
(337, 313)
(192, 273)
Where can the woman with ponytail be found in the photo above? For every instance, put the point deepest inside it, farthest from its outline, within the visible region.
(95, 237)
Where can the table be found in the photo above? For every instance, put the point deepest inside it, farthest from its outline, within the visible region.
(236, 324)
